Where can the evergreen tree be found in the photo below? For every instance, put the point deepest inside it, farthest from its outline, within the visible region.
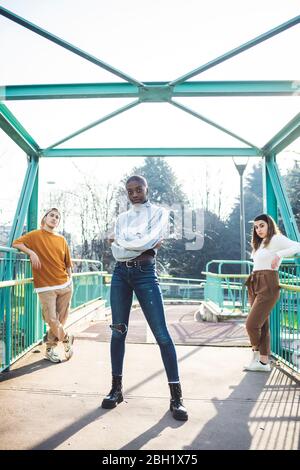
(164, 189)
(173, 255)
(292, 183)
(253, 200)
(163, 185)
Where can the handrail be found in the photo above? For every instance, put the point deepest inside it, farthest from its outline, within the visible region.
(86, 260)
(201, 284)
(89, 273)
(224, 261)
(30, 279)
(289, 287)
(16, 283)
(224, 275)
(8, 249)
(180, 278)
(282, 285)
(171, 277)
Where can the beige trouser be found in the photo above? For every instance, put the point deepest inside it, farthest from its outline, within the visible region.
(55, 309)
(263, 292)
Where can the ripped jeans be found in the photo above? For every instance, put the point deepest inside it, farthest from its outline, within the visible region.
(143, 281)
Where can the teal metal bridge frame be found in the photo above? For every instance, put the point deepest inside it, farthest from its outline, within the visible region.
(275, 197)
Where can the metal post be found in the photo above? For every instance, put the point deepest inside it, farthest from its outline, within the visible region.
(50, 193)
(269, 200)
(242, 225)
(32, 214)
(241, 168)
(8, 316)
(32, 224)
(24, 200)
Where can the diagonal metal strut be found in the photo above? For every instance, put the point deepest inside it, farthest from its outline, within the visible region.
(212, 123)
(70, 47)
(238, 50)
(95, 123)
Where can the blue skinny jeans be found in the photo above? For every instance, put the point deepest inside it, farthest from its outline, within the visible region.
(143, 281)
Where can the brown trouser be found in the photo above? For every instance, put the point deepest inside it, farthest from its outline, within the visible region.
(263, 292)
(55, 309)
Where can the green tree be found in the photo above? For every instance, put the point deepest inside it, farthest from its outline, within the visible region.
(253, 199)
(164, 189)
(292, 183)
(163, 185)
(193, 262)
(173, 255)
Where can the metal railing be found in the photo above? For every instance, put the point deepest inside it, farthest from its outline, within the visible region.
(20, 326)
(285, 317)
(87, 281)
(179, 289)
(229, 293)
(21, 323)
(227, 290)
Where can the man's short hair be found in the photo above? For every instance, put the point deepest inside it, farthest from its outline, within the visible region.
(139, 179)
(48, 212)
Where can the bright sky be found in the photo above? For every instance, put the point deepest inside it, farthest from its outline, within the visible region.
(151, 41)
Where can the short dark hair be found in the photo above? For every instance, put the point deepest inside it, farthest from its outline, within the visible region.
(139, 179)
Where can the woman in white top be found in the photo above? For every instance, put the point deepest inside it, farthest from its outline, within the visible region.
(269, 247)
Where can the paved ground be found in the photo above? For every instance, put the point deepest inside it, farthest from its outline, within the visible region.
(183, 328)
(57, 406)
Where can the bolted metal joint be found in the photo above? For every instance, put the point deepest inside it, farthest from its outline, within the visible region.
(155, 93)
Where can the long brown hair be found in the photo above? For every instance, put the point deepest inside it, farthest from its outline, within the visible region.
(272, 230)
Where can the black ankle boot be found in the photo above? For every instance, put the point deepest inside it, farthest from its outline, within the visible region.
(176, 404)
(115, 396)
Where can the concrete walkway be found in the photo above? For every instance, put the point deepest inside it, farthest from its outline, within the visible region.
(183, 328)
(57, 406)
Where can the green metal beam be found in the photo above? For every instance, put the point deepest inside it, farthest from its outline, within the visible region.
(237, 88)
(95, 123)
(70, 47)
(128, 90)
(270, 205)
(135, 103)
(24, 199)
(32, 224)
(282, 200)
(284, 137)
(151, 152)
(33, 208)
(211, 123)
(12, 127)
(238, 50)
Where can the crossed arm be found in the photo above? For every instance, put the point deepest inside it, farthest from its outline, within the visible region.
(111, 240)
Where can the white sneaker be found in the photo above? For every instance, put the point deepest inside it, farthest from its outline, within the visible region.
(51, 355)
(68, 346)
(257, 366)
(256, 355)
(255, 358)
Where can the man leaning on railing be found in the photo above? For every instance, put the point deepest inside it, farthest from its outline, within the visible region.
(52, 277)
